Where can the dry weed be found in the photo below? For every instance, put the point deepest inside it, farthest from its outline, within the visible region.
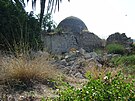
(24, 70)
(97, 72)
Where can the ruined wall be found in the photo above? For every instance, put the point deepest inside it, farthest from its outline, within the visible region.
(89, 41)
(73, 34)
(120, 39)
(60, 43)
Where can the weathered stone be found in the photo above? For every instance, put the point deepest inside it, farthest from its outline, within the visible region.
(94, 55)
(89, 41)
(79, 75)
(75, 37)
(63, 62)
(87, 56)
(72, 24)
(82, 51)
(120, 39)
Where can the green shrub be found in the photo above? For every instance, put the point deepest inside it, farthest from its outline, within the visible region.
(107, 89)
(48, 25)
(19, 30)
(133, 48)
(115, 48)
(127, 62)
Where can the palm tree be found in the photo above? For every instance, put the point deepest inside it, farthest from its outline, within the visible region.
(52, 5)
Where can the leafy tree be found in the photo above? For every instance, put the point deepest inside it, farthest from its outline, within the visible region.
(18, 29)
(48, 24)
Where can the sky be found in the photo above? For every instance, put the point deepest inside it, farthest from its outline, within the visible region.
(102, 17)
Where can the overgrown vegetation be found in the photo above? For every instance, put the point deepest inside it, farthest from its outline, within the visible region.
(126, 62)
(19, 31)
(102, 89)
(48, 25)
(23, 72)
(115, 48)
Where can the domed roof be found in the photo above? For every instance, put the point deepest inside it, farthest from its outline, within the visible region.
(72, 24)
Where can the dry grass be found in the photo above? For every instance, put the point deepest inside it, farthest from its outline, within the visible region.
(97, 72)
(24, 70)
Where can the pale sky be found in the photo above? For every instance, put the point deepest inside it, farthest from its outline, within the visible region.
(102, 17)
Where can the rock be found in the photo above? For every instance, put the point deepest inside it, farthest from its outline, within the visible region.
(94, 55)
(99, 65)
(79, 75)
(63, 62)
(87, 56)
(82, 51)
(120, 39)
(91, 55)
(70, 58)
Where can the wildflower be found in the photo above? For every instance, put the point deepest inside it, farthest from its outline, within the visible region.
(106, 77)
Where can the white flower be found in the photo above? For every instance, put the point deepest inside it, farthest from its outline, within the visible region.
(106, 77)
(94, 94)
(87, 92)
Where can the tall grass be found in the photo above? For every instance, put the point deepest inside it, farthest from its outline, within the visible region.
(126, 62)
(26, 71)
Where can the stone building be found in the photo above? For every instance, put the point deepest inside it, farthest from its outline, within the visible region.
(73, 34)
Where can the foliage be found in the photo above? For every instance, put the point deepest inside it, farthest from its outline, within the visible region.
(133, 48)
(125, 60)
(115, 48)
(19, 31)
(48, 24)
(128, 62)
(52, 4)
(109, 89)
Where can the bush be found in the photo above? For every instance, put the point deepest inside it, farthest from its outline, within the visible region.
(133, 48)
(128, 62)
(48, 25)
(109, 89)
(115, 48)
(19, 31)
(22, 72)
(124, 60)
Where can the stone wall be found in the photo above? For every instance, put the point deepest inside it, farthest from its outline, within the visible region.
(89, 41)
(62, 43)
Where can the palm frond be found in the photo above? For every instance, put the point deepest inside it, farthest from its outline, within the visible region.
(42, 4)
(52, 5)
(34, 4)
